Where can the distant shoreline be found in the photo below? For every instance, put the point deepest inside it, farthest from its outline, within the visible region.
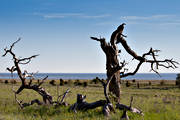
(47, 80)
(90, 76)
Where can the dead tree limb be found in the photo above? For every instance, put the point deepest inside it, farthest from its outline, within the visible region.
(126, 108)
(47, 98)
(107, 106)
(23, 105)
(62, 102)
(155, 64)
(82, 105)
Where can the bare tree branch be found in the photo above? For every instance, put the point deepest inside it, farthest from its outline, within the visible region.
(14, 43)
(129, 108)
(10, 50)
(61, 102)
(42, 81)
(97, 39)
(167, 63)
(27, 60)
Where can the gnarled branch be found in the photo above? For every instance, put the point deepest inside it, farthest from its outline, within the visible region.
(167, 63)
(47, 98)
(27, 60)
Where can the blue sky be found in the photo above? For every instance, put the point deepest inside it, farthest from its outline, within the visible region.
(60, 30)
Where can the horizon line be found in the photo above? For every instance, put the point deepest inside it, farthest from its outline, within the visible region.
(92, 72)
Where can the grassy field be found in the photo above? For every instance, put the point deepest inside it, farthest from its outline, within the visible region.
(159, 100)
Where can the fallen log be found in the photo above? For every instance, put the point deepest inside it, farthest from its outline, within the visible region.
(82, 105)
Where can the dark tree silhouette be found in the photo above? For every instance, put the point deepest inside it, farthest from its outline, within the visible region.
(27, 83)
(116, 70)
(113, 64)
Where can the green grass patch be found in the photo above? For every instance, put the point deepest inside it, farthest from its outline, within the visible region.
(158, 102)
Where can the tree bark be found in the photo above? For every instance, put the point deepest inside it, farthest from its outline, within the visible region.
(112, 63)
(82, 105)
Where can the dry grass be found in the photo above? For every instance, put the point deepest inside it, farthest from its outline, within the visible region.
(159, 102)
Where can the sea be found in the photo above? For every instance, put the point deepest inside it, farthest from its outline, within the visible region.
(90, 76)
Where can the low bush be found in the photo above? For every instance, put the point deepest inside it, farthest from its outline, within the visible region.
(133, 80)
(128, 84)
(96, 80)
(150, 83)
(6, 81)
(52, 82)
(61, 82)
(85, 84)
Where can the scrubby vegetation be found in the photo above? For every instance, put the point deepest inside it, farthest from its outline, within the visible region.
(158, 102)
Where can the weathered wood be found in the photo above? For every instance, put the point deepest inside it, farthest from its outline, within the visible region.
(126, 108)
(82, 105)
(107, 109)
(112, 63)
(116, 70)
(62, 102)
(124, 115)
(47, 98)
(111, 51)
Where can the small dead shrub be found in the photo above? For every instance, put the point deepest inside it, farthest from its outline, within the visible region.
(6, 81)
(52, 82)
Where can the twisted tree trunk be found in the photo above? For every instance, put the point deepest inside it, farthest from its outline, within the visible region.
(112, 63)
(115, 69)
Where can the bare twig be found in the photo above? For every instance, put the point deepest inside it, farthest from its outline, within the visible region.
(42, 81)
(67, 91)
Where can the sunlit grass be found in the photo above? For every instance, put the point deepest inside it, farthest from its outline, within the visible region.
(157, 104)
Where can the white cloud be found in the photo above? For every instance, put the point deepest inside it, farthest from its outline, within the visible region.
(170, 23)
(154, 19)
(95, 16)
(58, 15)
(68, 15)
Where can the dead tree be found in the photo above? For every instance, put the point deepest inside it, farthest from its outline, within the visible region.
(27, 83)
(112, 63)
(116, 69)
